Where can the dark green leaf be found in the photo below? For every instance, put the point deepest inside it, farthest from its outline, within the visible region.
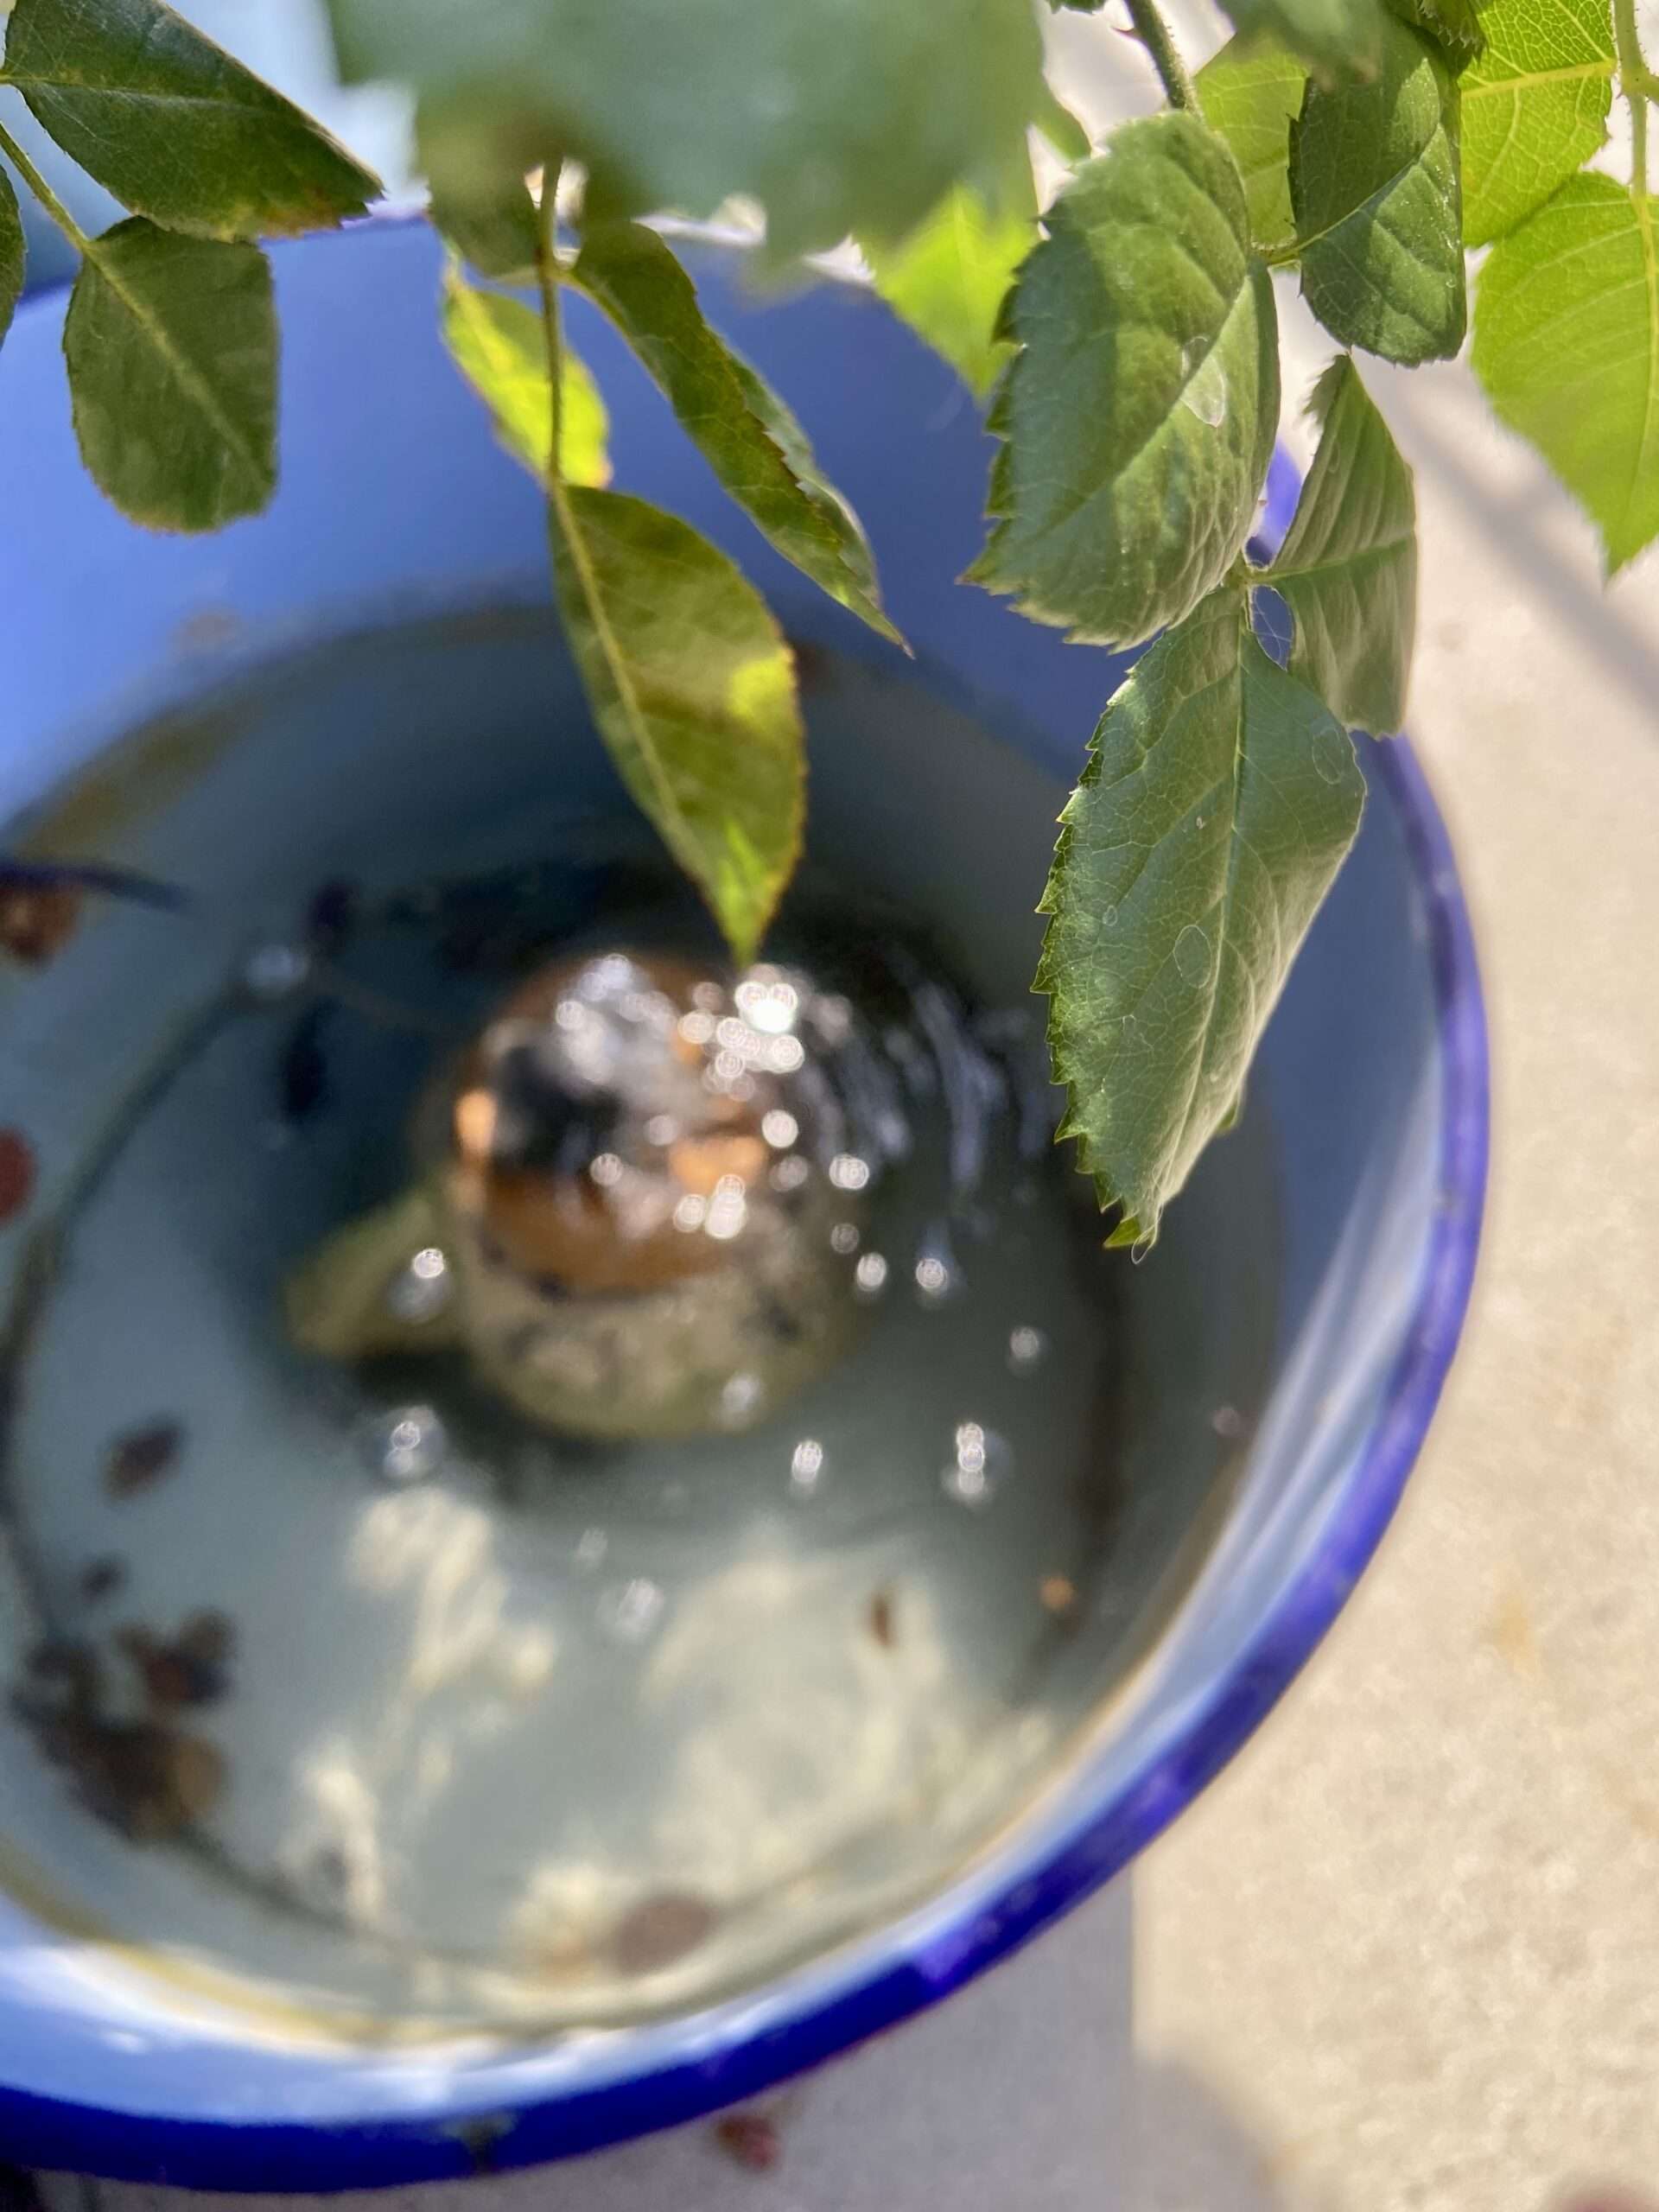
(13, 253)
(1218, 802)
(492, 226)
(750, 439)
(1140, 409)
(1348, 567)
(1566, 343)
(693, 689)
(1340, 40)
(1374, 183)
(1251, 93)
(856, 117)
(1455, 26)
(176, 129)
(1535, 107)
(949, 279)
(500, 347)
(171, 345)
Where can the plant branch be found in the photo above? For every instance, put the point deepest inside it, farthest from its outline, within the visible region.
(1155, 35)
(43, 192)
(1636, 83)
(547, 281)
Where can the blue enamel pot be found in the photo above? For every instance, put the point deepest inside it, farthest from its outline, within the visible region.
(1339, 1237)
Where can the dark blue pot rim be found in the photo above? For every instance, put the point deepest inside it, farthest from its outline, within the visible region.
(737, 2063)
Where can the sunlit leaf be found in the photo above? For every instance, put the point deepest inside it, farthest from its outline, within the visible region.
(1251, 93)
(749, 437)
(693, 689)
(949, 277)
(1566, 343)
(1140, 410)
(1374, 183)
(852, 118)
(176, 129)
(1535, 107)
(1219, 799)
(171, 345)
(1348, 567)
(500, 347)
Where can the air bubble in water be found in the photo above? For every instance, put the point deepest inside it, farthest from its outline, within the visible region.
(983, 1462)
(407, 1445)
(806, 1466)
(1027, 1349)
(632, 1610)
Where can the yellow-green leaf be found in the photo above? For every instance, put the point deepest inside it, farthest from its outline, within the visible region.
(173, 127)
(1566, 343)
(500, 347)
(949, 279)
(693, 689)
(171, 346)
(1251, 93)
(1535, 107)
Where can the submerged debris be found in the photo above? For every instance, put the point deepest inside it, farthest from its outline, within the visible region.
(192, 1667)
(37, 920)
(102, 1577)
(141, 1457)
(147, 1779)
(883, 1622)
(659, 1932)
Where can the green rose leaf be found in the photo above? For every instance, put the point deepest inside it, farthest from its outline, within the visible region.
(171, 346)
(1566, 343)
(1140, 410)
(854, 118)
(1219, 799)
(1340, 40)
(949, 280)
(1348, 567)
(500, 347)
(1374, 183)
(491, 223)
(1251, 93)
(13, 253)
(1534, 108)
(750, 439)
(693, 689)
(1456, 26)
(1065, 132)
(176, 129)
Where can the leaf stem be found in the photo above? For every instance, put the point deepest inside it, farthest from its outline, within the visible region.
(1155, 35)
(43, 192)
(1636, 83)
(547, 282)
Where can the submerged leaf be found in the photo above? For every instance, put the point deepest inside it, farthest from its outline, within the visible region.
(1251, 93)
(1140, 407)
(744, 430)
(949, 277)
(500, 347)
(1534, 108)
(1374, 183)
(1566, 343)
(1348, 568)
(852, 118)
(693, 689)
(173, 127)
(1219, 800)
(171, 345)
